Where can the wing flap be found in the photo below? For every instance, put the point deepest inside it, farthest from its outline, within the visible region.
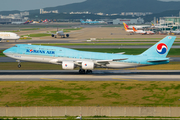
(58, 61)
(107, 61)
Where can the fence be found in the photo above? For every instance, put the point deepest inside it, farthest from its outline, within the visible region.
(90, 111)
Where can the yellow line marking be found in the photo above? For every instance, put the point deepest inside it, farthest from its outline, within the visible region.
(52, 79)
(124, 79)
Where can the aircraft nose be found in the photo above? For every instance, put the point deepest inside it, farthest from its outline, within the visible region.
(5, 51)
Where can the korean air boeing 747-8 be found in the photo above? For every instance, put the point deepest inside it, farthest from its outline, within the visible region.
(87, 61)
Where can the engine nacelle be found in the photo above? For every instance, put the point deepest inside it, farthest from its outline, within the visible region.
(67, 65)
(52, 35)
(86, 65)
(67, 35)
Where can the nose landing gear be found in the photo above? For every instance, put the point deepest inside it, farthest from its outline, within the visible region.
(19, 63)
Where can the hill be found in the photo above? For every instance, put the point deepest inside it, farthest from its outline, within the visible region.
(111, 6)
(168, 13)
(159, 9)
(118, 6)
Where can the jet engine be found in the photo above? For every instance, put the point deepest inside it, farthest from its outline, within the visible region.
(87, 65)
(67, 35)
(52, 35)
(67, 65)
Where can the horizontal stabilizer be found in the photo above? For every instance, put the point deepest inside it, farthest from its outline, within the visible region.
(159, 60)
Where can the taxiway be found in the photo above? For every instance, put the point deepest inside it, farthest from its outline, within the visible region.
(97, 75)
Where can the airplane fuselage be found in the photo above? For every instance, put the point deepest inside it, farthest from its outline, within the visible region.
(58, 55)
(8, 36)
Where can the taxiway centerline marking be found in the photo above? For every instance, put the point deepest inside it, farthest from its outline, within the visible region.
(52, 79)
(124, 79)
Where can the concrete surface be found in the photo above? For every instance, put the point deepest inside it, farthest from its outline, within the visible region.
(90, 111)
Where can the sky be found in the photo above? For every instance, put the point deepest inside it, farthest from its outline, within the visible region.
(8, 5)
(21, 5)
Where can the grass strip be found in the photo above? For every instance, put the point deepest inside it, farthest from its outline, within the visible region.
(90, 93)
(25, 38)
(36, 35)
(1, 53)
(23, 30)
(130, 38)
(65, 30)
(29, 29)
(142, 41)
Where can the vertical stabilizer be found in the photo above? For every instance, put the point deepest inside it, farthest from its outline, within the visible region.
(161, 48)
(125, 26)
(134, 29)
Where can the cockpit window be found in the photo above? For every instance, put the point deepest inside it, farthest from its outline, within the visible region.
(15, 46)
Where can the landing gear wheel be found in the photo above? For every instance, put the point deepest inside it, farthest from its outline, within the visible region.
(81, 71)
(19, 65)
(89, 71)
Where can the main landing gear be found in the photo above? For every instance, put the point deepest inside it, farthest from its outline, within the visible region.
(82, 71)
(19, 63)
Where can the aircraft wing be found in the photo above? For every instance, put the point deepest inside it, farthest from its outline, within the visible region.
(98, 62)
(107, 61)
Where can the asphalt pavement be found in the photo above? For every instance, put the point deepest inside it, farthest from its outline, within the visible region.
(97, 75)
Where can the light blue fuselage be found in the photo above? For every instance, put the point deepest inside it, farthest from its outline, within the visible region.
(55, 55)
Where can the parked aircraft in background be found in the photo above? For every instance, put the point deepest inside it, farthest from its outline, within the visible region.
(127, 30)
(139, 31)
(31, 21)
(87, 61)
(27, 22)
(35, 22)
(175, 32)
(60, 33)
(158, 26)
(150, 32)
(143, 32)
(8, 36)
(137, 26)
(45, 21)
(89, 21)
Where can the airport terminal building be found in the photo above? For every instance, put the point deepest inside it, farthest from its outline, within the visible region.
(128, 21)
(169, 21)
(12, 21)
